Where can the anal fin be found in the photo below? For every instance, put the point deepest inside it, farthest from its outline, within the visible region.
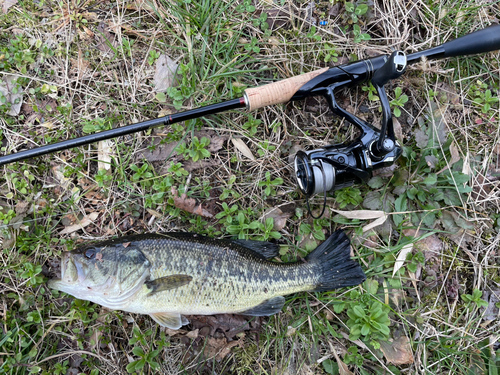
(268, 307)
(169, 320)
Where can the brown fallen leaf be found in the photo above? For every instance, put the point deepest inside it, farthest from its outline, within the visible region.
(86, 220)
(79, 66)
(165, 73)
(243, 148)
(12, 93)
(191, 166)
(431, 246)
(160, 152)
(105, 40)
(230, 325)
(343, 369)
(189, 204)
(398, 352)
(279, 217)
(7, 4)
(403, 253)
(219, 347)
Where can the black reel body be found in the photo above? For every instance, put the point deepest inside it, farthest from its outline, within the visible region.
(338, 166)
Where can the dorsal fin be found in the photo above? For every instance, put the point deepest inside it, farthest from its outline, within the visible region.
(267, 250)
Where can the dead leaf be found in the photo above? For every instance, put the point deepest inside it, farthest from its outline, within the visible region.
(343, 369)
(243, 148)
(400, 260)
(431, 161)
(193, 334)
(455, 155)
(279, 217)
(491, 312)
(175, 332)
(63, 182)
(447, 94)
(165, 73)
(86, 220)
(290, 331)
(361, 214)
(79, 66)
(431, 246)
(96, 334)
(190, 165)
(398, 130)
(381, 217)
(105, 149)
(277, 18)
(106, 40)
(7, 4)
(398, 352)
(189, 204)
(308, 242)
(230, 325)
(22, 207)
(421, 138)
(13, 94)
(219, 348)
(385, 172)
(158, 152)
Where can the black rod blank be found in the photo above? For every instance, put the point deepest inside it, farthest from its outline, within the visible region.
(124, 130)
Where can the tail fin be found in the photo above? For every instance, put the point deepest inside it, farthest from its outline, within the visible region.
(334, 260)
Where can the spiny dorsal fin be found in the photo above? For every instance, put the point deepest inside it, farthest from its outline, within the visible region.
(167, 283)
(267, 250)
(268, 307)
(169, 320)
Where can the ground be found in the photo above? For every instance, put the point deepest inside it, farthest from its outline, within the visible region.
(430, 303)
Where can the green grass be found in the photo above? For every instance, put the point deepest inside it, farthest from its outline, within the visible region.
(446, 184)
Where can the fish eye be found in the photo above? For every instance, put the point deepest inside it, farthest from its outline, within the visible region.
(89, 253)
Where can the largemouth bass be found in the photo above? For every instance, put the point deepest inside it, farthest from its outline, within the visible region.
(169, 275)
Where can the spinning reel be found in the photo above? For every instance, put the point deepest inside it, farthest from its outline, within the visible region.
(338, 166)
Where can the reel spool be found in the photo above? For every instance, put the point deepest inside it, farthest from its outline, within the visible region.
(314, 176)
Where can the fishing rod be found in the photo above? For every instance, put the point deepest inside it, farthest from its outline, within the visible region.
(331, 167)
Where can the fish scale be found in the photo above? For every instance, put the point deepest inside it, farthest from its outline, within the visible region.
(168, 275)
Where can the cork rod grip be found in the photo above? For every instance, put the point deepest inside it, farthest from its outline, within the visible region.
(278, 92)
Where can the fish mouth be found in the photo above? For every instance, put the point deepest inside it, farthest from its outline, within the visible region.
(71, 272)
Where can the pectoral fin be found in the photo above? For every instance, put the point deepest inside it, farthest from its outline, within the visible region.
(268, 307)
(167, 283)
(169, 320)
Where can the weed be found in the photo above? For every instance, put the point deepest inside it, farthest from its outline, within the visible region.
(474, 298)
(252, 46)
(484, 99)
(153, 56)
(229, 191)
(398, 102)
(252, 125)
(270, 185)
(329, 53)
(347, 196)
(242, 226)
(355, 11)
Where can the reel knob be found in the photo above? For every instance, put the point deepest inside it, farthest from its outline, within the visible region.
(313, 176)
